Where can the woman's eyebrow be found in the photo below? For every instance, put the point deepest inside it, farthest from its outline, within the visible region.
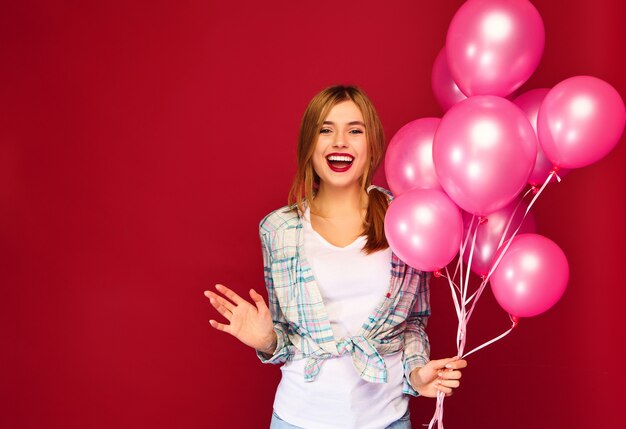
(349, 123)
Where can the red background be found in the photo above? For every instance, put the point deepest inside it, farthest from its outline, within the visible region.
(140, 144)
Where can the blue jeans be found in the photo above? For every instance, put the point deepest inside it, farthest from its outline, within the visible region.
(403, 422)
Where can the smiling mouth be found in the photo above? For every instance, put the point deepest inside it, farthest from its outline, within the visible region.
(339, 162)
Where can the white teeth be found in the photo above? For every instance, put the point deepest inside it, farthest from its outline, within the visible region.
(340, 158)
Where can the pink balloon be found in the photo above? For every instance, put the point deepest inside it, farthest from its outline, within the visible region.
(423, 228)
(489, 233)
(409, 159)
(494, 46)
(445, 88)
(484, 150)
(531, 276)
(530, 102)
(580, 121)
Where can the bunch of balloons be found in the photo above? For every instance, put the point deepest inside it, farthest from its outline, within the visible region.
(459, 180)
(480, 156)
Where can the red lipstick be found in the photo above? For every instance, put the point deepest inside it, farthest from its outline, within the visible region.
(339, 162)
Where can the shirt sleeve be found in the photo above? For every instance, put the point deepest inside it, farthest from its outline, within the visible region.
(284, 348)
(416, 345)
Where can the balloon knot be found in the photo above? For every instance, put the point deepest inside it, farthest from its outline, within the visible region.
(482, 219)
(437, 274)
(515, 320)
(555, 171)
(534, 189)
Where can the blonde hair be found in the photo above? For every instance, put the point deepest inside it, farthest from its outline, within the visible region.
(306, 180)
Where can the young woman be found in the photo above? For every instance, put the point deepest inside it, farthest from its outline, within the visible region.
(346, 317)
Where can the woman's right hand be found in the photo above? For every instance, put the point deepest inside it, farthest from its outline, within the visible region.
(250, 324)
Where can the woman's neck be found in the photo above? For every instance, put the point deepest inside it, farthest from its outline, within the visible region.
(333, 202)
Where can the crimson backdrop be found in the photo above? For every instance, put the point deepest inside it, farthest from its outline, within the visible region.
(141, 143)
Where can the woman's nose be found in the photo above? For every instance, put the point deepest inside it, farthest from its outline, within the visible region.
(340, 140)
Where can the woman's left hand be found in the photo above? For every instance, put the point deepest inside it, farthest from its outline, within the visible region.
(438, 376)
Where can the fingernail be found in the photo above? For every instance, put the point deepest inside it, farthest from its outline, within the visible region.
(440, 374)
(449, 366)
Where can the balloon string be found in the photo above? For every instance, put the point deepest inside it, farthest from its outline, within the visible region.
(447, 276)
(471, 297)
(478, 293)
(508, 243)
(469, 261)
(462, 248)
(462, 288)
(454, 298)
(438, 416)
(462, 328)
(485, 281)
(486, 278)
(457, 307)
(493, 340)
(508, 225)
(460, 311)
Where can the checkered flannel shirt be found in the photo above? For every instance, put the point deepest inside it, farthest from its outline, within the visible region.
(302, 325)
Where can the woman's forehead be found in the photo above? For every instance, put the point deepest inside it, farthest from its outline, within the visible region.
(344, 112)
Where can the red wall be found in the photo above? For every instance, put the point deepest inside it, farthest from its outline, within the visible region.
(140, 144)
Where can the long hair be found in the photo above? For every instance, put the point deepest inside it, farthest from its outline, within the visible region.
(306, 181)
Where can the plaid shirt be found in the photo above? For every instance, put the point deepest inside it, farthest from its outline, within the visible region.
(302, 324)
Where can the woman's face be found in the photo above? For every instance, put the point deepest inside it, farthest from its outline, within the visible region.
(340, 153)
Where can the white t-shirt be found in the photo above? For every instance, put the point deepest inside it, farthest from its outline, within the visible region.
(351, 283)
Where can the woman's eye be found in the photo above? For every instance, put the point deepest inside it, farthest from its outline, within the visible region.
(356, 131)
(325, 131)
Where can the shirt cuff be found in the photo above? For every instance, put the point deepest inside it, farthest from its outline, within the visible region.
(280, 353)
(409, 365)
